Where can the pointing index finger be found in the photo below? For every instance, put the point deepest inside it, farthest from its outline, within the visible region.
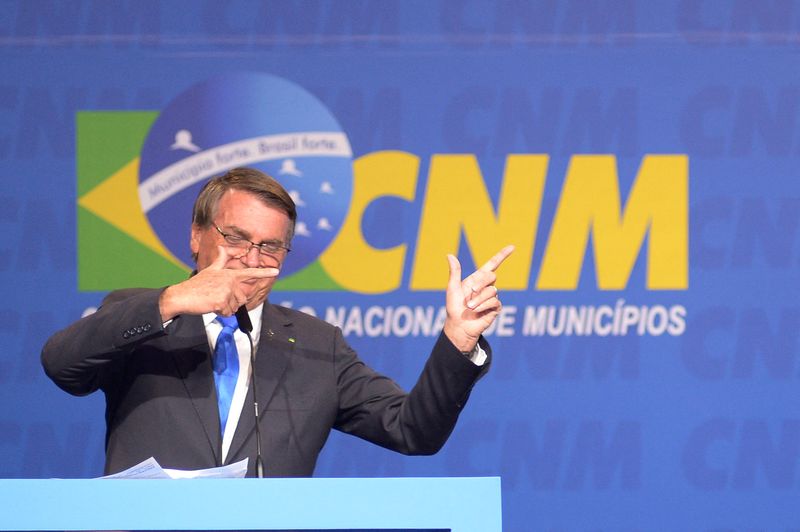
(495, 262)
(257, 273)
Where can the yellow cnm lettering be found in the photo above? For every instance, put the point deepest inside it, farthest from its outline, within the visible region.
(457, 205)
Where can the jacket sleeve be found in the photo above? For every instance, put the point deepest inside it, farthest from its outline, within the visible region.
(78, 357)
(374, 407)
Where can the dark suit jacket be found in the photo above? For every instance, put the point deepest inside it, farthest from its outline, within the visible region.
(161, 401)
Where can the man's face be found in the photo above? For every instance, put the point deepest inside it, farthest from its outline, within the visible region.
(244, 215)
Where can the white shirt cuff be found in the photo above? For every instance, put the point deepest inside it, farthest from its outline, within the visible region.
(477, 356)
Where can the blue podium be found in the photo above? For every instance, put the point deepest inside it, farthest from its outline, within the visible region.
(392, 504)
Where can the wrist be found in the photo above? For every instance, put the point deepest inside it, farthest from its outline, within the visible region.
(460, 339)
(166, 306)
(472, 352)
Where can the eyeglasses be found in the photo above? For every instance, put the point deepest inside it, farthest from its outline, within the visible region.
(271, 247)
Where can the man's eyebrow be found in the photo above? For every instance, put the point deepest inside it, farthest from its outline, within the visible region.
(246, 234)
(238, 230)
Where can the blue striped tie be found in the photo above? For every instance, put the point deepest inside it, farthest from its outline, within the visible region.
(226, 367)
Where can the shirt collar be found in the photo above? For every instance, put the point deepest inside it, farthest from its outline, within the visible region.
(210, 319)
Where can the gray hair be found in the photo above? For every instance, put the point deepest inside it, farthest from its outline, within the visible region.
(256, 182)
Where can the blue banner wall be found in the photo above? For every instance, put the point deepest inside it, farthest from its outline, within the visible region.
(642, 156)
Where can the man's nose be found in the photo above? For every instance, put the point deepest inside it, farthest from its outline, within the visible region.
(251, 257)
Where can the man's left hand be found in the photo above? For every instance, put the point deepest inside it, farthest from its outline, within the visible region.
(472, 304)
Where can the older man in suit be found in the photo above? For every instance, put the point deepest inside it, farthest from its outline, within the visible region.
(152, 352)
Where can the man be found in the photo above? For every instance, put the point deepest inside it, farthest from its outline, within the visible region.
(151, 351)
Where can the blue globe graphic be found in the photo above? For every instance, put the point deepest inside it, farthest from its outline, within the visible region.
(255, 120)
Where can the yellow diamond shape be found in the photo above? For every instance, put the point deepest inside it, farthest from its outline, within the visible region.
(116, 200)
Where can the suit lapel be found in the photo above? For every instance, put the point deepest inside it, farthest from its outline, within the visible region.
(275, 347)
(188, 344)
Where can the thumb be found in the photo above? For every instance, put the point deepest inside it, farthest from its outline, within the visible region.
(454, 282)
(220, 260)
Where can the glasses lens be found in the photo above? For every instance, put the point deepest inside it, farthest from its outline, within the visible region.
(269, 248)
(236, 241)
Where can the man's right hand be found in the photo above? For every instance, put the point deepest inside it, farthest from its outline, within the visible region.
(213, 289)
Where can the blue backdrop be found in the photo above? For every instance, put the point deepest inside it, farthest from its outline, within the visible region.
(646, 367)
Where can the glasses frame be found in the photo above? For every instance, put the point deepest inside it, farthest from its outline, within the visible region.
(265, 248)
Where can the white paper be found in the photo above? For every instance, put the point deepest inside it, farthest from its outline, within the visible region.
(147, 469)
(150, 469)
(236, 470)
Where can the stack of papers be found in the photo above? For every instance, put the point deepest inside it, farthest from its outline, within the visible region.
(151, 469)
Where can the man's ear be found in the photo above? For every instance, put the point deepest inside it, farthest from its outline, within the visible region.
(194, 240)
